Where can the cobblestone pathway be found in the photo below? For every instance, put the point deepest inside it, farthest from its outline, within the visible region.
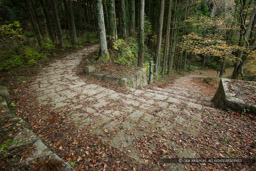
(122, 119)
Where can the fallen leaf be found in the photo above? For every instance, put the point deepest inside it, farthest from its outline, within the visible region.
(79, 159)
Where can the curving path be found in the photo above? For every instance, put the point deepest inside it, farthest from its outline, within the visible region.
(122, 120)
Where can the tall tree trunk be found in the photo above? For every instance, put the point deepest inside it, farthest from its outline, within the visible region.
(123, 19)
(173, 48)
(127, 7)
(40, 24)
(52, 20)
(87, 19)
(159, 37)
(112, 20)
(185, 61)
(141, 34)
(105, 10)
(223, 66)
(81, 15)
(67, 20)
(58, 26)
(132, 16)
(101, 25)
(72, 21)
(245, 44)
(48, 21)
(34, 22)
(167, 37)
(90, 15)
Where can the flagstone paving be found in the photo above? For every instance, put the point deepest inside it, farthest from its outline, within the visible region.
(121, 119)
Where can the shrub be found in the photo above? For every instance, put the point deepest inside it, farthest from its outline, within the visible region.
(32, 56)
(89, 37)
(126, 52)
(48, 45)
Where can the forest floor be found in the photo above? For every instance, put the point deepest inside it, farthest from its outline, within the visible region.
(93, 124)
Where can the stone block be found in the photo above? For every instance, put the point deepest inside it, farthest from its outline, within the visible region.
(112, 79)
(89, 69)
(138, 79)
(98, 76)
(225, 98)
(4, 92)
(123, 82)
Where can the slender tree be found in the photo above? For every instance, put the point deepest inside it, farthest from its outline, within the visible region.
(167, 37)
(132, 16)
(174, 40)
(52, 20)
(58, 26)
(159, 37)
(112, 20)
(101, 25)
(141, 33)
(72, 21)
(67, 20)
(34, 22)
(123, 19)
(173, 48)
(81, 15)
(242, 57)
(106, 15)
(47, 20)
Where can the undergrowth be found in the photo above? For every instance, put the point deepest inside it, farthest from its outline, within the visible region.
(127, 52)
(19, 49)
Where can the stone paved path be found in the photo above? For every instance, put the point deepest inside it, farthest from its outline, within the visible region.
(121, 119)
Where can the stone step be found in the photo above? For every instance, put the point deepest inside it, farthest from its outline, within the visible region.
(186, 97)
(190, 93)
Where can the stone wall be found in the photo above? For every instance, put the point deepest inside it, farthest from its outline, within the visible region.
(25, 138)
(138, 79)
(226, 99)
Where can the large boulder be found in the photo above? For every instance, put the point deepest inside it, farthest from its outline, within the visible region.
(236, 95)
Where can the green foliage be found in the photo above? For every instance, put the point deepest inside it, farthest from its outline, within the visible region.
(89, 37)
(245, 110)
(107, 58)
(5, 147)
(12, 104)
(14, 53)
(191, 68)
(11, 36)
(33, 57)
(73, 164)
(26, 57)
(157, 76)
(212, 49)
(147, 26)
(11, 30)
(48, 44)
(205, 9)
(127, 51)
(226, 139)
